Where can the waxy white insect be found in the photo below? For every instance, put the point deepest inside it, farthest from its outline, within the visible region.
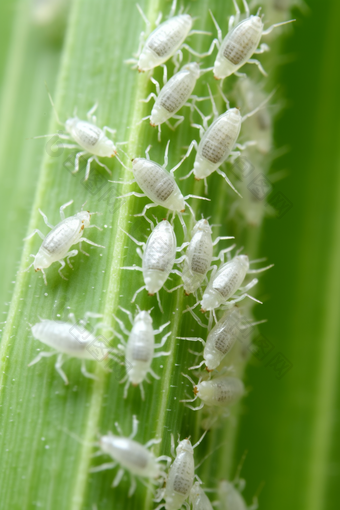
(222, 338)
(231, 499)
(57, 243)
(166, 41)
(173, 96)
(131, 456)
(219, 392)
(158, 258)
(71, 339)
(218, 141)
(139, 349)
(227, 280)
(181, 476)
(87, 136)
(198, 498)
(241, 42)
(199, 255)
(158, 185)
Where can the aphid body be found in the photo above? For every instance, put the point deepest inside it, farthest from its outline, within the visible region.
(131, 456)
(158, 184)
(198, 257)
(174, 94)
(225, 282)
(231, 499)
(198, 499)
(181, 476)
(219, 392)
(90, 137)
(56, 245)
(139, 350)
(159, 256)
(221, 338)
(217, 143)
(164, 41)
(71, 339)
(238, 46)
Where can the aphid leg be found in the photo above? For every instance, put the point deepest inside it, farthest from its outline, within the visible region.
(90, 114)
(62, 264)
(162, 342)
(254, 271)
(70, 254)
(197, 366)
(173, 8)
(40, 234)
(148, 206)
(150, 96)
(86, 373)
(192, 339)
(219, 171)
(159, 302)
(132, 486)
(128, 313)
(166, 155)
(165, 74)
(180, 119)
(259, 65)
(221, 238)
(197, 319)
(136, 293)
(76, 161)
(177, 60)
(67, 146)
(83, 239)
(266, 32)
(158, 331)
(102, 165)
(58, 368)
(262, 49)
(153, 374)
(162, 353)
(40, 356)
(45, 219)
(62, 214)
(246, 8)
(219, 31)
(121, 325)
(103, 467)
(134, 427)
(201, 55)
(142, 392)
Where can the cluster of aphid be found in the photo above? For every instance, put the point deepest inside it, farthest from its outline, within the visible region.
(224, 288)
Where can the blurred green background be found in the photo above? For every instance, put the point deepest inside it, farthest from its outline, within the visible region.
(290, 424)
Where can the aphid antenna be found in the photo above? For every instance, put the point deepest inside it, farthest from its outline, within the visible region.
(173, 9)
(205, 458)
(145, 19)
(77, 438)
(266, 32)
(224, 97)
(251, 324)
(260, 106)
(200, 439)
(53, 106)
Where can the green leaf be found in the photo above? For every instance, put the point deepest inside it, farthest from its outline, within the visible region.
(42, 465)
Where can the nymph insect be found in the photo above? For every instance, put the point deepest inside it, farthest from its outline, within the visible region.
(220, 340)
(165, 41)
(229, 493)
(218, 141)
(227, 280)
(198, 498)
(131, 456)
(173, 96)
(71, 339)
(56, 245)
(158, 258)
(199, 255)
(158, 185)
(139, 349)
(241, 42)
(87, 136)
(219, 392)
(181, 476)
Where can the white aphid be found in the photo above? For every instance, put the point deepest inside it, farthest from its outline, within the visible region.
(222, 338)
(140, 348)
(158, 185)
(241, 42)
(227, 280)
(131, 456)
(88, 137)
(199, 256)
(198, 498)
(165, 41)
(158, 258)
(173, 96)
(231, 499)
(71, 339)
(56, 245)
(219, 392)
(181, 476)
